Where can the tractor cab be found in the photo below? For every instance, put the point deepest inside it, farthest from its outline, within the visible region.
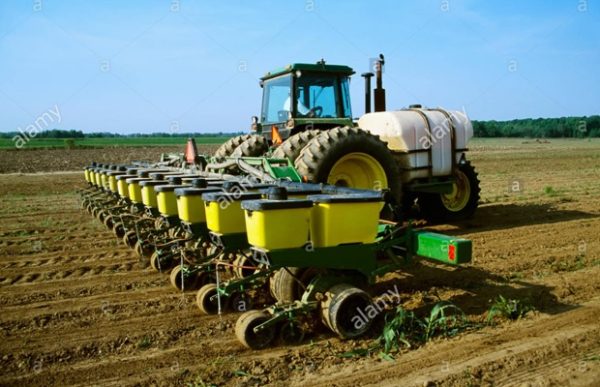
(301, 96)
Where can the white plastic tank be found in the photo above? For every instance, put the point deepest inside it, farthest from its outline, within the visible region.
(410, 133)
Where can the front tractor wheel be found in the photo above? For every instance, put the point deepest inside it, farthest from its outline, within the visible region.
(254, 146)
(227, 148)
(459, 204)
(350, 157)
(291, 148)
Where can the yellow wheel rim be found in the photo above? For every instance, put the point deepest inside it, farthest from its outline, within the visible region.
(459, 197)
(358, 170)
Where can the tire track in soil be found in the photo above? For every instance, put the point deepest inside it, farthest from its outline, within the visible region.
(61, 272)
(114, 303)
(498, 350)
(57, 258)
(46, 292)
(121, 339)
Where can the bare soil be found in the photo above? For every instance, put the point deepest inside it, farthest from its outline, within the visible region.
(47, 160)
(77, 309)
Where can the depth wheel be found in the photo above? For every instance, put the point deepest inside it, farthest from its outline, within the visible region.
(243, 266)
(287, 285)
(143, 250)
(345, 311)
(101, 215)
(204, 300)
(130, 239)
(162, 262)
(244, 330)
(109, 222)
(182, 280)
(119, 230)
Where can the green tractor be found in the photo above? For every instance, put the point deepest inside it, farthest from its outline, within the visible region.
(417, 154)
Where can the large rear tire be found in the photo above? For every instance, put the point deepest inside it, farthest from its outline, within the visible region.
(227, 148)
(350, 157)
(291, 148)
(254, 146)
(460, 204)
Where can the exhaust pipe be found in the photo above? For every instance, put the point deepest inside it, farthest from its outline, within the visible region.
(367, 77)
(379, 90)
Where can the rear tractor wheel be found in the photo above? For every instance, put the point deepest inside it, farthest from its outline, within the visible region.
(459, 204)
(350, 157)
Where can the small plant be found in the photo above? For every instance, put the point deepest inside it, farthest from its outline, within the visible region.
(358, 352)
(569, 265)
(145, 342)
(549, 190)
(404, 329)
(508, 308)
(398, 329)
(445, 319)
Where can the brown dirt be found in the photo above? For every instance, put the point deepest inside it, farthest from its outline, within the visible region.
(77, 309)
(47, 160)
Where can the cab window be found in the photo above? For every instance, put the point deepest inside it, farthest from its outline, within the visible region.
(317, 94)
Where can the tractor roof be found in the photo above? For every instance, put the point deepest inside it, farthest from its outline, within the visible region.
(320, 67)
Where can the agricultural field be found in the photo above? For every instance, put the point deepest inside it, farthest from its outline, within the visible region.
(79, 309)
(95, 142)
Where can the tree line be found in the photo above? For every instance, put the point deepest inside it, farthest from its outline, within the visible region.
(75, 134)
(573, 127)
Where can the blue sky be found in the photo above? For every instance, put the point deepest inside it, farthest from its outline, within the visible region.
(146, 66)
